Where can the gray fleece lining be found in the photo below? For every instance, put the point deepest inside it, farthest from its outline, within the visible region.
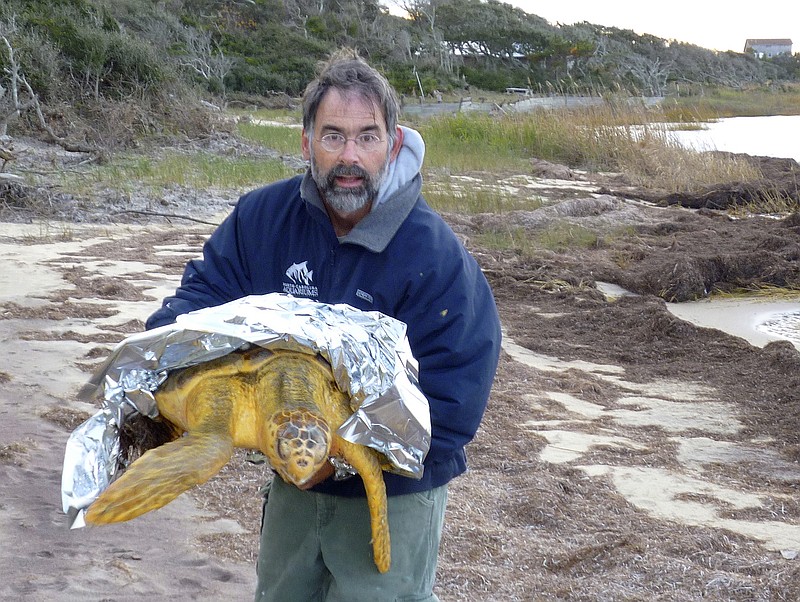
(377, 229)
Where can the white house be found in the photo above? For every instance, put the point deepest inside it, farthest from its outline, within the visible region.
(766, 49)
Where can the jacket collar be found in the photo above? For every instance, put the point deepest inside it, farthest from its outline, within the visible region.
(377, 229)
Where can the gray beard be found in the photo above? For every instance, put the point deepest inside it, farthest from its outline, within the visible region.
(348, 200)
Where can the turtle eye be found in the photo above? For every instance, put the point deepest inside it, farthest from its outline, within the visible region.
(283, 448)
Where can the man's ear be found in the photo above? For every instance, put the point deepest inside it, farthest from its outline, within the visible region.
(398, 143)
(305, 145)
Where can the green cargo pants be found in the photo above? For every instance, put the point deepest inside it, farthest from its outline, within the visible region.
(317, 547)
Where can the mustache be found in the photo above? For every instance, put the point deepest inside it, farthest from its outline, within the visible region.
(348, 171)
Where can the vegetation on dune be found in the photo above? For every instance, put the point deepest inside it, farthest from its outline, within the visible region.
(87, 53)
(100, 75)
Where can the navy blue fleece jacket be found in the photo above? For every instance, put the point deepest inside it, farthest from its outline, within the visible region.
(402, 260)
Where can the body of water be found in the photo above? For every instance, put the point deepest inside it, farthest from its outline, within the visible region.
(756, 320)
(777, 136)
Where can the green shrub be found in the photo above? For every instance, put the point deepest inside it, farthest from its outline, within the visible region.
(133, 63)
(104, 59)
(254, 79)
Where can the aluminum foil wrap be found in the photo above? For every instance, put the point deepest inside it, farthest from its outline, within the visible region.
(369, 353)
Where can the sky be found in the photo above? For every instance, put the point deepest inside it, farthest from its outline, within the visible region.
(711, 24)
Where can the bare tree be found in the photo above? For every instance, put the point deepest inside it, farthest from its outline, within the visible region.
(299, 12)
(650, 72)
(205, 57)
(11, 104)
(423, 14)
(17, 96)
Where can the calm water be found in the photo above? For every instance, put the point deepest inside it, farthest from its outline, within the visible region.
(756, 320)
(766, 136)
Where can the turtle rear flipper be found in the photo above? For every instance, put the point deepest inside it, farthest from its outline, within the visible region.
(161, 475)
(366, 463)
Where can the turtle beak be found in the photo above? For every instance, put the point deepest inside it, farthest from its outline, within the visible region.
(300, 448)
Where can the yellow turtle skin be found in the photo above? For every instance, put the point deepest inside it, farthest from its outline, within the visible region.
(284, 403)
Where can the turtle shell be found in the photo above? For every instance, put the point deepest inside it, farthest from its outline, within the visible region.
(284, 403)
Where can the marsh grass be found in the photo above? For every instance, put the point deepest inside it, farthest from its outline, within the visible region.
(196, 170)
(768, 292)
(559, 236)
(513, 238)
(284, 139)
(474, 142)
(687, 127)
(617, 137)
(768, 203)
(638, 143)
(712, 103)
(656, 162)
(472, 197)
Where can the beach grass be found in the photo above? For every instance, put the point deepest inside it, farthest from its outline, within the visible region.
(616, 136)
(283, 137)
(771, 202)
(715, 102)
(472, 196)
(197, 170)
(622, 138)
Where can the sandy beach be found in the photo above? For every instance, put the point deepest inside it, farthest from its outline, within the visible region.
(626, 454)
(156, 557)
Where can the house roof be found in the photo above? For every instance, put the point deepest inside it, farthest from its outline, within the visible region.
(769, 42)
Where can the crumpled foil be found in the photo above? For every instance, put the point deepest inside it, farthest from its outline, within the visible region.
(369, 353)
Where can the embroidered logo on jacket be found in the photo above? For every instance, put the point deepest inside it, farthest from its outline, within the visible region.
(301, 281)
(364, 295)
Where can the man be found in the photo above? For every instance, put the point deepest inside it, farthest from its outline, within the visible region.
(354, 229)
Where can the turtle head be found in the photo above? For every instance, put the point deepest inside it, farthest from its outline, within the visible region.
(298, 443)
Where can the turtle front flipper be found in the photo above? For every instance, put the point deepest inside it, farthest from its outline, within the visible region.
(161, 475)
(365, 462)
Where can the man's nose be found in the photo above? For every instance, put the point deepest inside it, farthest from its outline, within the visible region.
(349, 152)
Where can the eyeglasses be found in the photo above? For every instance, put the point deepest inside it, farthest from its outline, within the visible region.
(365, 142)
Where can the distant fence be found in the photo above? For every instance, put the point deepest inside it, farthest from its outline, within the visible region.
(519, 106)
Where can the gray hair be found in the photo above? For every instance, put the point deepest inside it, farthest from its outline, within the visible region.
(350, 74)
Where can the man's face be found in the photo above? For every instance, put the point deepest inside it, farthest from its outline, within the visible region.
(349, 178)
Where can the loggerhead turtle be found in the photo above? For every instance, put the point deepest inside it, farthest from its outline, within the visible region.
(284, 403)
